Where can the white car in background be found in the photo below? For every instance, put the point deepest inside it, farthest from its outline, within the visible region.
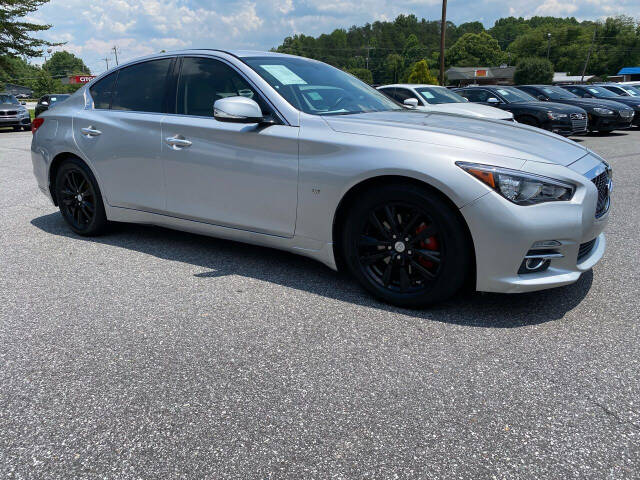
(433, 98)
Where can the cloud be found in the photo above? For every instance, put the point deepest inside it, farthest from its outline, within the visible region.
(140, 27)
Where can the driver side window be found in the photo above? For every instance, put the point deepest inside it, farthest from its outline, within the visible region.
(205, 80)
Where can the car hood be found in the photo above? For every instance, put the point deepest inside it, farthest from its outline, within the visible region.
(590, 103)
(471, 109)
(473, 134)
(629, 101)
(9, 106)
(547, 107)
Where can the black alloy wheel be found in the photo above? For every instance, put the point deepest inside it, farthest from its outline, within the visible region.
(79, 198)
(406, 245)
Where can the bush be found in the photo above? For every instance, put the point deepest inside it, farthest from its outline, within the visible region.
(533, 70)
(420, 74)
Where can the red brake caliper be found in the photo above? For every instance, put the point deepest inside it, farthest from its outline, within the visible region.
(430, 243)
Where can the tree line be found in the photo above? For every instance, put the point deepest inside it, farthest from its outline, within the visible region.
(387, 52)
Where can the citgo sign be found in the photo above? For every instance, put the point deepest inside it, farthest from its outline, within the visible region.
(81, 78)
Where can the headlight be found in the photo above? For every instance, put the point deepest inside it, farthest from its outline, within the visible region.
(521, 188)
(556, 116)
(603, 111)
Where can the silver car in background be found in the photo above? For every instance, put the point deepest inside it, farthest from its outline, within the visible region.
(294, 154)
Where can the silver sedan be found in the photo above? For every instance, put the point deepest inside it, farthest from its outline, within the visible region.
(294, 154)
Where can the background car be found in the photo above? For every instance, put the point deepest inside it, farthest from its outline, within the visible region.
(622, 90)
(604, 115)
(13, 113)
(561, 119)
(48, 101)
(601, 93)
(433, 98)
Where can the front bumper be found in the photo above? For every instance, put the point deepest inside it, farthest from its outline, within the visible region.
(503, 233)
(15, 121)
(599, 122)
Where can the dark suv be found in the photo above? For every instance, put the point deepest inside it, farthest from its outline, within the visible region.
(604, 115)
(601, 93)
(557, 118)
(48, 101)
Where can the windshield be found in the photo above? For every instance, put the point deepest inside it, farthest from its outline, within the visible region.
(513, 95)
(557, 93)
(9, 99)
(319, 89)
(437, 95)
(601, 92)
(58, 98)
(632, 91)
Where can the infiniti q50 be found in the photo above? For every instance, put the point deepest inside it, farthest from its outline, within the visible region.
(292, 153)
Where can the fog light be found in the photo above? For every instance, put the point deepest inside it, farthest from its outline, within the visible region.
(534, 265)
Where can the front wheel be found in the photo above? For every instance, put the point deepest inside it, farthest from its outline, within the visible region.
(79, 198)
(406, 245)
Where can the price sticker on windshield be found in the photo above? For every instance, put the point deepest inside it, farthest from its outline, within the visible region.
(283, 75)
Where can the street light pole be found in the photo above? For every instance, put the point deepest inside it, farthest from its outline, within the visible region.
(548, 44)
(443, 27)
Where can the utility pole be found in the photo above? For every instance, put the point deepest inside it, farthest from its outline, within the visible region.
(367, 59)
(106, 59)
(548, 44)
(443, 27)
(586, 62)
(115, 53)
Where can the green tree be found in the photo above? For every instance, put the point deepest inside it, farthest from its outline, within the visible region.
(420, 74)
(63, 63)
(533, 70)
(363, 74)
(475, 49)
(16, 34)
(44, 84)
(394, 66)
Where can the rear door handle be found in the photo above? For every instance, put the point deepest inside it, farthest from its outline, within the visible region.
(90, 131)
(177, 142)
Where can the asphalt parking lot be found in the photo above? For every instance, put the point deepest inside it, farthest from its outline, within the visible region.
(149, 353)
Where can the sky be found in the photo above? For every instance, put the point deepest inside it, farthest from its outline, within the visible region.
(141, 27)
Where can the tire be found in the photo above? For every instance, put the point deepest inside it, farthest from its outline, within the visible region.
(26, 128)
(429, 267)
(17, 129)
(79, 198)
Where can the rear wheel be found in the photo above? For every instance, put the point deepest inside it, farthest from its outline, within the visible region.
(79, 198)
(406, 245)
(16, 129)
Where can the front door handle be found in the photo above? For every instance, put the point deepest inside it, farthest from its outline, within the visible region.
(178, 142)
(90, 132)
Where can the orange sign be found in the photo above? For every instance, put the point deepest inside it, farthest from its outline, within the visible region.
(481, 73)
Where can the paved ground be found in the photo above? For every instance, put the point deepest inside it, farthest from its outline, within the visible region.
(157, 354)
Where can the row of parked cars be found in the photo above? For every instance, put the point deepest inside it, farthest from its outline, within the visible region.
(566, 110)
(14, 113)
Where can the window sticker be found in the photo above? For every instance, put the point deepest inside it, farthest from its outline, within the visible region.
(427, 94)
(593, 90)
(283, 75)
(503, 92)
(314, 96)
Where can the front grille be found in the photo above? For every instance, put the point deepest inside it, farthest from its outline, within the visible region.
(578, 122)
(602, 184)
(627, 114)
(9, 113)
(585, 249)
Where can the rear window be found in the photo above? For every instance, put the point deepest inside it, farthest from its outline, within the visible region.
(141, 87)
(102, 90)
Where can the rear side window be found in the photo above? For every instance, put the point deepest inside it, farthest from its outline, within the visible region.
(205, 80)
(102, 90)
(476, 95)
(141, 87)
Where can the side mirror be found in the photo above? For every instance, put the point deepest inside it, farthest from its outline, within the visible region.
(45, 104)
(542, 98)
(587, 95)
(237, 110)
(493, 100)
(23, 103)
(411, 102)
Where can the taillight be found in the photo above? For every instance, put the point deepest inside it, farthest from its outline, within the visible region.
(36, 123)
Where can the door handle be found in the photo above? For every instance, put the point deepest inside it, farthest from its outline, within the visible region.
(177, 142)
(90, 131)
